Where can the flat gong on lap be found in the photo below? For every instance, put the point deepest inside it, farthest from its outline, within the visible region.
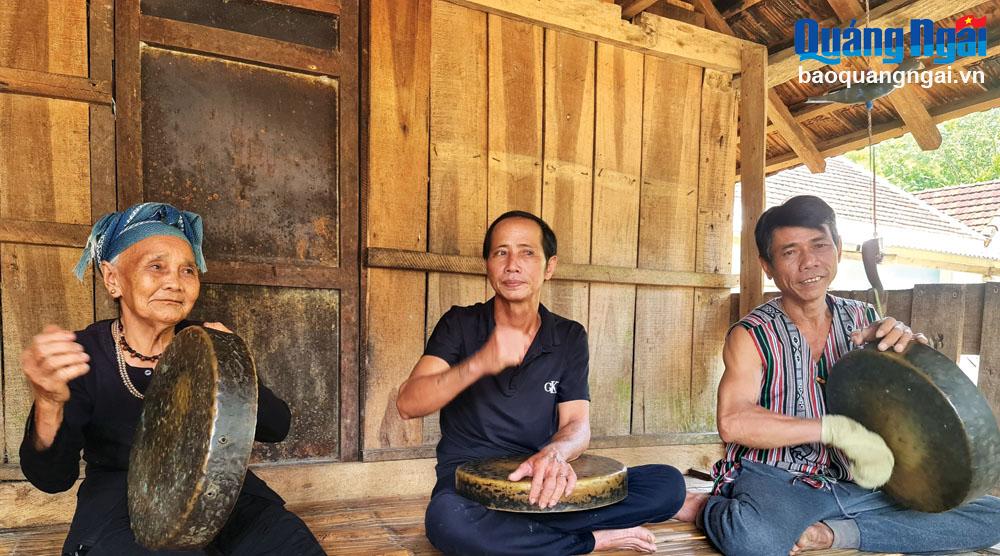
(192, 447)
(600, 481)
(941, 431)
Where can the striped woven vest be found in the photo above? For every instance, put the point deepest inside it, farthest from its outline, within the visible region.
(792, 385)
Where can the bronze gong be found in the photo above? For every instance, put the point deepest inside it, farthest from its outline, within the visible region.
(600, 481)
(940, 429)
(192, 447)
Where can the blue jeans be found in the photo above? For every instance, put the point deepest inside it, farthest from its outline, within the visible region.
(765, 510)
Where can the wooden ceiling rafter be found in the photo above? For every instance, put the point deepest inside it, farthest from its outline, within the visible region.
(793, 133)
(811, 111)
(904, 100)
(632, 8)
(739, 7)
(837, 146)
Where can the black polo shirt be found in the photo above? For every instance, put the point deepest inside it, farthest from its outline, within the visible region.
(514, 412)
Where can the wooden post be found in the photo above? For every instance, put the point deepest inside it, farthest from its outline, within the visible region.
(939, 312)
(128, 122)
(397, 212)
(989, 351)
(753, 123)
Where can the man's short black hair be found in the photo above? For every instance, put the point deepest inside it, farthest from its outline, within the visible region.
(803, 211)
(548, 236)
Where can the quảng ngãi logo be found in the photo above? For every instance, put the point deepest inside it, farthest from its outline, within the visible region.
(944, 44)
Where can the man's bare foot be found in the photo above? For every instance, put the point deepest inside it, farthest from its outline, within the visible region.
(638, 539)
(817, 536)
(694, 503)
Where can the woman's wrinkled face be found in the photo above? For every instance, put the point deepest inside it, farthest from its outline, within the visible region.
(155, 279)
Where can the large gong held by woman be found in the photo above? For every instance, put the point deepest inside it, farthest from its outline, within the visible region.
(194, 440)
(941, 431)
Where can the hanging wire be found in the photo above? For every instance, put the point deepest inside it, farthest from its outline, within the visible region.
(871, 163)
(871, 143)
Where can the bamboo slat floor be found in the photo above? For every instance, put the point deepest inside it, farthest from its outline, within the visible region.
(389, 526)
(392, 526)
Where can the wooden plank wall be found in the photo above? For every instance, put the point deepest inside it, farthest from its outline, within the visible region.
(629, 157)
(52, 176)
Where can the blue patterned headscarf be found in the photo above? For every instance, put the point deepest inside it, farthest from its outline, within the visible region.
(117, 231)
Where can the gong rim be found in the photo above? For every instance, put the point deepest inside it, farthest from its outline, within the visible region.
(942, 432)
(194, 439)
(601, 481)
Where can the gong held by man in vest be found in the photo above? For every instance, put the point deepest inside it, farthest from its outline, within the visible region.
(510, 380)
(185, 486)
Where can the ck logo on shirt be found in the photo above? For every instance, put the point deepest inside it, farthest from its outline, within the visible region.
(550, 386)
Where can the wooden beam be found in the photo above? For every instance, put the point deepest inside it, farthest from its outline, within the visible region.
(810, 111)
(128, 119)
(434, 262)
(632, 8)
(784, 65)
(793, 133)
(602, 22)
(325, 6)
(889, 130)
(786, 125)
(43, 233)
(50, 85)
(752, 124)
(904, 100)
(239, 46)
(713, 19)
(741, 6)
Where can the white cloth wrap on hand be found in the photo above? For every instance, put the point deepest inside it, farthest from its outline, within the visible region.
(871, 459)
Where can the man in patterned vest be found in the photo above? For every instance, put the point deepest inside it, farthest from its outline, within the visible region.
(782, 486)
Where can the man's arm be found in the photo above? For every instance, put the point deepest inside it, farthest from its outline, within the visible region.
(433, 383)
(740, 418)
(552, 476)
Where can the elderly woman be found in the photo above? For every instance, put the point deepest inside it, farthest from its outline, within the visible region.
(88, 390)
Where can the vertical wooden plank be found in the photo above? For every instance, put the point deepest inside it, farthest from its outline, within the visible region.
(44, 35)
(667, 230)
(753, 130)
(900, 305)
(128, 122)
(615, 235)
(989, 354)
(989, 351)
(44, 174)
(973, 326)
(37, 287)
(103, 193)
(716, 184)
(458, 159)
(939, 312)
(567, 171)
(397, 210)
(515, 117)
(716, 174)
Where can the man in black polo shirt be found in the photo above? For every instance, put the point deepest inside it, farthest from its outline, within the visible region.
(510, 378)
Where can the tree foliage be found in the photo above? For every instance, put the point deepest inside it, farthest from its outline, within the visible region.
(969, 153)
